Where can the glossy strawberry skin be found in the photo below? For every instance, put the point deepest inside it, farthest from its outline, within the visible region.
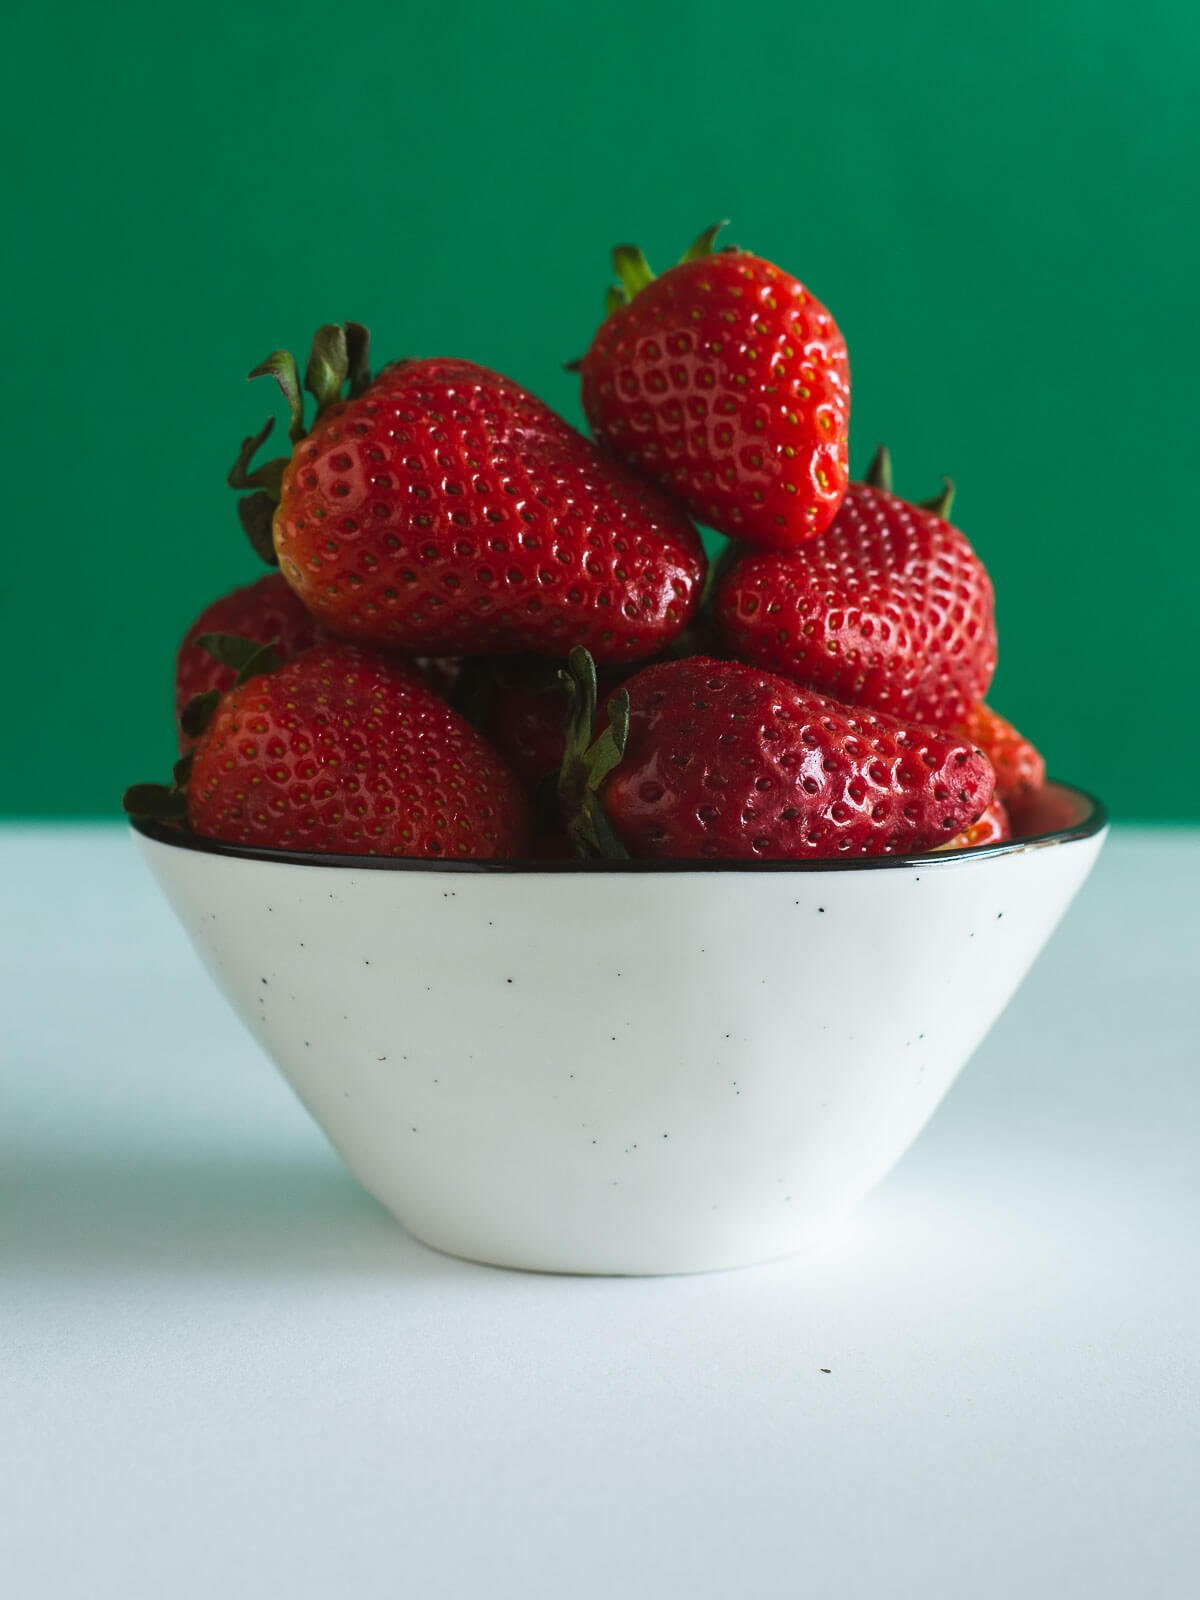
(727, 383)
(344, 750)
(727, 762)
(890, 608)
(991, 828)
(1018, 765)
(446, 511)
(263, 611)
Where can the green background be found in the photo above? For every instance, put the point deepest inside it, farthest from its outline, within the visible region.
(997, 202)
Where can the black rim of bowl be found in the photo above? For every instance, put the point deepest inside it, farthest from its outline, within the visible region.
(1093, 819)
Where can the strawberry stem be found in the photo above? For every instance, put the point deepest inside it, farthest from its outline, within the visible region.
(587, 761)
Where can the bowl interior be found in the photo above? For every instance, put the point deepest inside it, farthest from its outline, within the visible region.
(1057, 814)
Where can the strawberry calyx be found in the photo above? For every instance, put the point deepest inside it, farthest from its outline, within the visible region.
(941, 504)
(250, 659)
(155, 802)
(588, 759)
(879, 476)
(339, 357)
(247, 657)
(634, 272)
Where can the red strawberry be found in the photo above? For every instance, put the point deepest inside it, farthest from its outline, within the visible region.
(726, 382)
(344, 750)
(1019, 767)
(1044, 810)
(444, 510)
(890, 608)
(991, 828)
(712, 759)
(264, 611)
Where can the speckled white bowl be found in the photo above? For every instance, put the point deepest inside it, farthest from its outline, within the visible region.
(623, 1069)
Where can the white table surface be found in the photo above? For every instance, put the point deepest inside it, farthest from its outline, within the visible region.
(225, 1372)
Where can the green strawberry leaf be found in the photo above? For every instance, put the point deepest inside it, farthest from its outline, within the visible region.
(614, 299)
(154, 801)
(328, 365)
(941, 504)
(268, 477)
(256, 513)
(587, 762)
(879, 476)
(632, 268)
(281, 365)
(358, 341)
(703, 245)
(879, 473)
(230, 649)
(197, 714)
(264, 661)
(249, 658)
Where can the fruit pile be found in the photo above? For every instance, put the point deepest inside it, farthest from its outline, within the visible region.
(489, 636)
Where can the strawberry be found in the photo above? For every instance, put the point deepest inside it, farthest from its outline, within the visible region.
(266, 611)
(717, 760)
(1019, 767)
(991, 828)
(342, 750)
(889, 608)
(441, 509)
(727, 383)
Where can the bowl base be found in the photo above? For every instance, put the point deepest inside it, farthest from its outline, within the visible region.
(816, 1245)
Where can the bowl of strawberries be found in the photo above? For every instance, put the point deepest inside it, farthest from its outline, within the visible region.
(612, 908)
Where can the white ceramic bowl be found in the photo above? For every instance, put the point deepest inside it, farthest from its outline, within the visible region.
(628, 1068)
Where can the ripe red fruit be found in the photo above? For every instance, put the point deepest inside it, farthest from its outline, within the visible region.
(722, 761)
(443, 510)
(343, 750)
(265, 610)
(726, 382)
(890, 608)
(1019, 767)
(991, 828)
